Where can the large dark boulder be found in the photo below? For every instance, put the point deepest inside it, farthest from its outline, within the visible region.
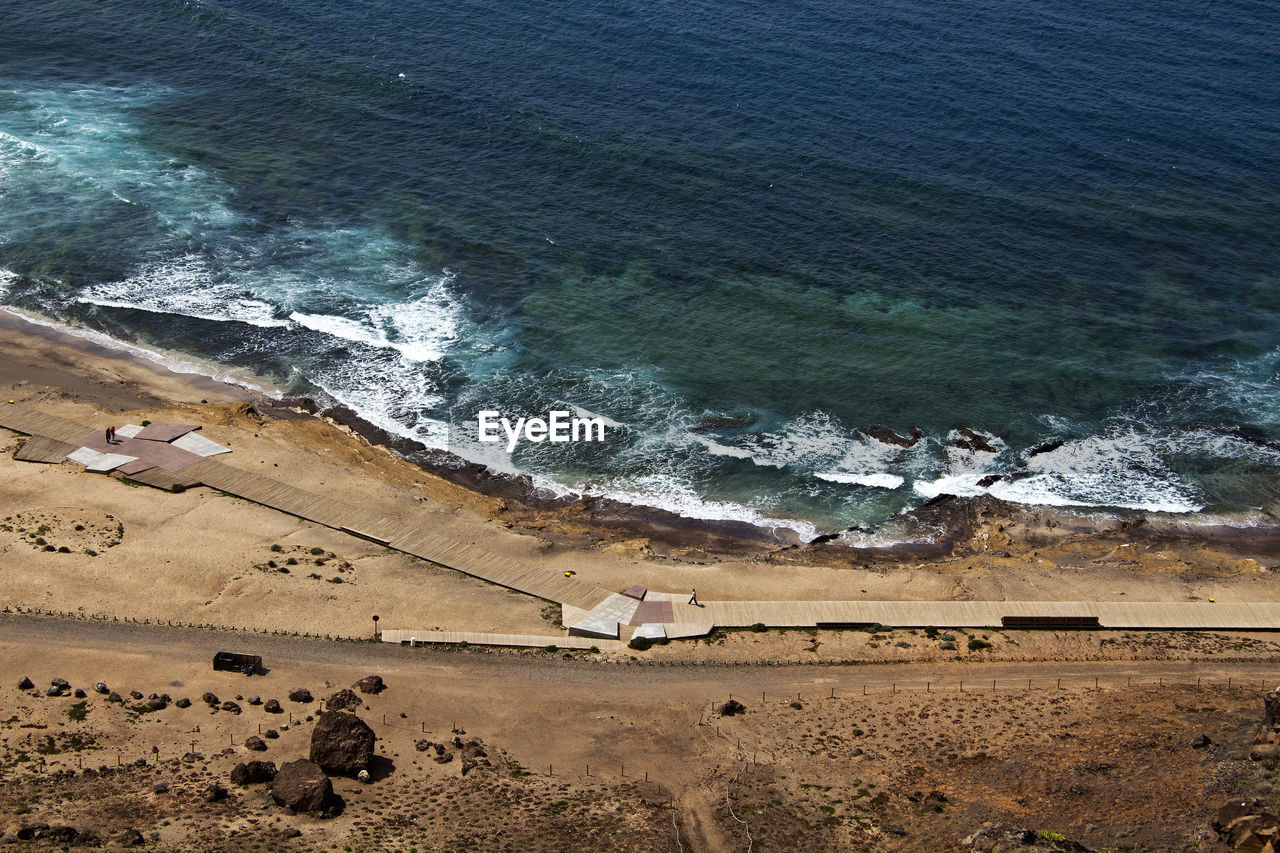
(302, 786)
(301, 694)
(272, 706)
(344, 700)
(342, 743)
(249, 772)
(371, 684)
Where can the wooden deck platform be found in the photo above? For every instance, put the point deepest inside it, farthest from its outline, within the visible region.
(42, 448)
(19, 418)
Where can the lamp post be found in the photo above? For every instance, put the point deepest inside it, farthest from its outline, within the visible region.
(375, 626)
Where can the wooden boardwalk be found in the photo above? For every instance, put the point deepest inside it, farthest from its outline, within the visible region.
(527, 641)
(41, 448)
(18, 418)
(1151, 615)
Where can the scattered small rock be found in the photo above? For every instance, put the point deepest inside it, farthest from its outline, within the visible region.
(249, 772)
(210, 699)
(371, 684)
(343, 700)
(255, 744)
(26, 683)
(128, 838)
(230, 706)
(184, 702)
(272, 706)
(101, 687)
(1200, 741)
(213, 793)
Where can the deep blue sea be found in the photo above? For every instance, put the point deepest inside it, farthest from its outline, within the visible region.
(1043, 222)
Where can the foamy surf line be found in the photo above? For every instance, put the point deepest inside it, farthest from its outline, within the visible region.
(170, 361)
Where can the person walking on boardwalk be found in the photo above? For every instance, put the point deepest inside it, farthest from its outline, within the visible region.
(693, 599)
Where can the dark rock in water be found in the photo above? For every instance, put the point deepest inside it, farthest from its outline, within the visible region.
(255, 744)
(990, 480)
(26, 683)
(371, 684)
(344, 700)
(825, 537)
(721, 423)
(342, 743)
(1047, 447)
(884, 434)
(272, 706)
(210, 699)
(250, 772)
(1200, 741)
(302, 786)
(972, 441)
(301, 694)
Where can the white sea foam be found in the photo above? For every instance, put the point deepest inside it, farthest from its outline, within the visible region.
(668, 492)
(7, 278)
(1121, 468)
(184, 286)
(341, 327)
(879, 481)
(588, 414)
(717, 449)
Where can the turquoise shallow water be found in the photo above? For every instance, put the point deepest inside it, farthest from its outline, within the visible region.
(1045, 224)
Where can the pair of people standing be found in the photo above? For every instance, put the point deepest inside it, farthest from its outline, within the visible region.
(111, 435)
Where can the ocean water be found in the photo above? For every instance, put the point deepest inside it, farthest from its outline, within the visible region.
(1046, 223)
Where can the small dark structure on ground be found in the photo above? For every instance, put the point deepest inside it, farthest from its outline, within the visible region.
(232, 662)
